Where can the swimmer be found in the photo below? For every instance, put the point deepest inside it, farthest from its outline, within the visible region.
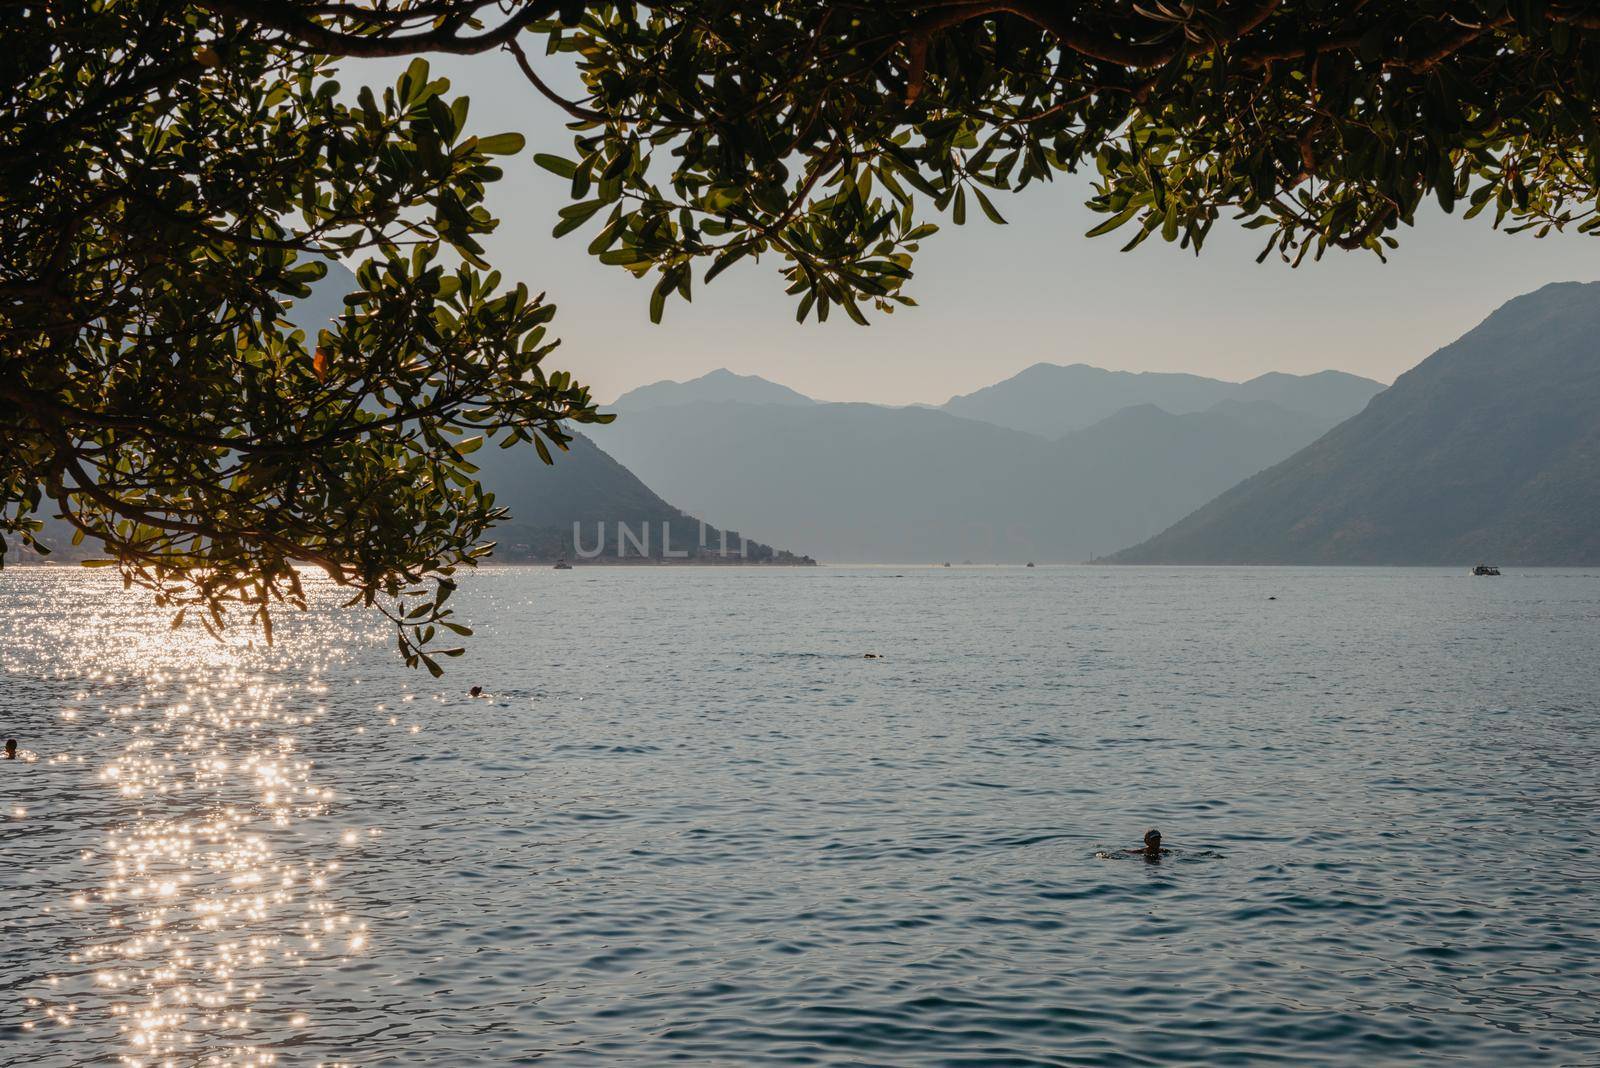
(11, 749)
(1151, 850)
(1152, 844)
(476, 691)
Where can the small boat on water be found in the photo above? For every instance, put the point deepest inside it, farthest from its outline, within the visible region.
(562, 565)
(1030, 563)
(1486, 569)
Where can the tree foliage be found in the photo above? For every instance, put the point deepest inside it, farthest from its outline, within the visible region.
(173, 175)
(171, 181)
(834, 133)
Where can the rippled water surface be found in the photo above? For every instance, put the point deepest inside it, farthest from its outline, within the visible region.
(690, 822)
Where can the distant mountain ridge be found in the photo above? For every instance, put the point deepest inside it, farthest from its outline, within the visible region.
(863, 483)
(1050, 399)
(719, 385)
(857, 482)
(1487, 451)
(1329, 394)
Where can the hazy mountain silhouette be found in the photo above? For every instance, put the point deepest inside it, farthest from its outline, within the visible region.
(1489, 450)
(859, 482)
(584, 485)
(719, 385)
(1332, 395)
(1051, 400)
(587, 487)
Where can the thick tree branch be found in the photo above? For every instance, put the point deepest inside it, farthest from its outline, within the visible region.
(312, 35)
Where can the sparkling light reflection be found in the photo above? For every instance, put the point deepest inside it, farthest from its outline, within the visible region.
(219, 870)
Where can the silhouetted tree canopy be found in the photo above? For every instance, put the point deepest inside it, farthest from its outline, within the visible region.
(172, 178)
(832, 133)
(173, 174)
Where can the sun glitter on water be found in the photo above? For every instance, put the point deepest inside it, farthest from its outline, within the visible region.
(208, 881)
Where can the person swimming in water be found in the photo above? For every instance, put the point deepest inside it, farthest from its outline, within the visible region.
(1151, 850)
(11, 749)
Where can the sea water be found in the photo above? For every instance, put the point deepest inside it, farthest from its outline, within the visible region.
(691, 821)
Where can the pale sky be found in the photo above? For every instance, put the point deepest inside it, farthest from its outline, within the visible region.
(996, 299)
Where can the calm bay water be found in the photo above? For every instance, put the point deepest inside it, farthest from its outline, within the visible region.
(691, 823)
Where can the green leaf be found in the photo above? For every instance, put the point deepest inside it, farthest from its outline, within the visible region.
(658, 300)
(563, 168)
(505, 144)
(1113, 222)
(728, 259)
(623, 257)
(988, 208)
(575, 215)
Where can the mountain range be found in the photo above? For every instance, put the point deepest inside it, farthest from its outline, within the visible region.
(1487, 451)
(862, 482)
(721, 385)
(1051, 400)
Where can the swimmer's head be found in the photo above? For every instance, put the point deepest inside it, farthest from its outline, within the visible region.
(476, 691)
(1152, 839)
(11, 749)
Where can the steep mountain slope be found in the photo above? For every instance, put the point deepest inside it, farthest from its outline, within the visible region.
(583, 486)
(1487, 450)
(857, 482)
(588, 488)
(716, 386)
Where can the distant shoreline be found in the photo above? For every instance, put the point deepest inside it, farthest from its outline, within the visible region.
(645, 561)
(32, 561)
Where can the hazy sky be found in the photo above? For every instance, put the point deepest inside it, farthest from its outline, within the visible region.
(995, 299)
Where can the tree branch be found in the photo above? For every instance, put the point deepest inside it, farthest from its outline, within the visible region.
(315, 36)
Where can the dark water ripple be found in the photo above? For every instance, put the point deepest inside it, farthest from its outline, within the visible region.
(692, 825)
